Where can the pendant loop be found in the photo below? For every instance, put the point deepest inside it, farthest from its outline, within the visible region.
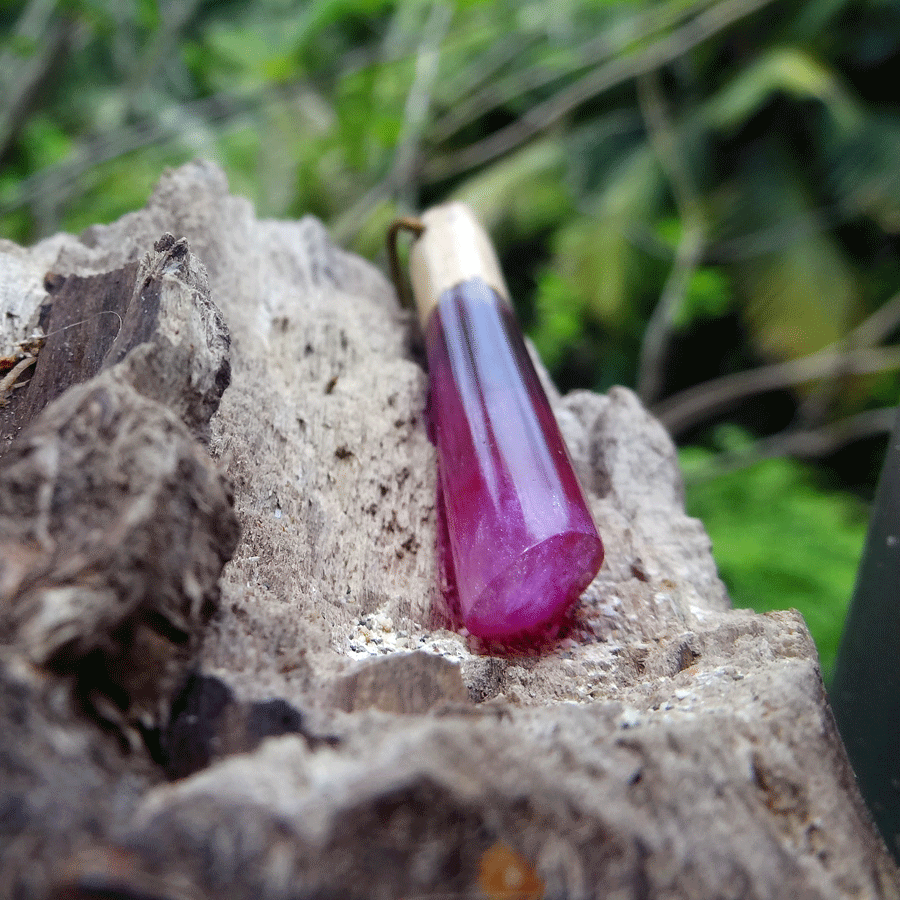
(414, 226)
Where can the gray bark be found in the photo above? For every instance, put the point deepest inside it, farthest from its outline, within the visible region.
(299, 721)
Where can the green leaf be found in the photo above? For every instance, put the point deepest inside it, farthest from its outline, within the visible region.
(47, 143)
(801, 552)
(709, 295)
(597, 261)
(560, 316)
(633, 186)
(787, 70)
(799, 291)
(799, 300)
(596, 255)
(864, 171)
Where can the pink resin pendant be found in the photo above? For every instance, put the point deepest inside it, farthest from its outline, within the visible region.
(522, 543)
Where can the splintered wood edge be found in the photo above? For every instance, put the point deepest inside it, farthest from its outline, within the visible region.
(453, 248)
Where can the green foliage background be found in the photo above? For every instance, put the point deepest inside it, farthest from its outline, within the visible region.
(682, 191)
(806, 549)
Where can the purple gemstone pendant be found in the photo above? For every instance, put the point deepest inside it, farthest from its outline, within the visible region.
(522, 542)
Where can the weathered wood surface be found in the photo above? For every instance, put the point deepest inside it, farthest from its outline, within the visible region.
(299, 723)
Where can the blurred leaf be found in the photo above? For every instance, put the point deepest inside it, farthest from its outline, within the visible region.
(149, 16)
(800, 552)
(788, 70)
(816, 18)
(594, 148)
(632, 187)
(119, 186)
(798, 300)
(709, 295)
(877, 37)
(560, 314)
(799, 291)
(865, 174)
(597, 261)
(239, 149)
(239, 58)
(595, 255)
(46, 142)
(21, 45)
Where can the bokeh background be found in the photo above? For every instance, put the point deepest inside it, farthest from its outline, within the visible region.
(696, 198)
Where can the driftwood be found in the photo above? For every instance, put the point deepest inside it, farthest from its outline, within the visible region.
(299, 721)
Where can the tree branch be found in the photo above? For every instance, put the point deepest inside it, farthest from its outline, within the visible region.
(801, 444)
(878, 326)
(618, 71)
(658, 333)
(397, 183)
(23, 78)
(690, 407)
(418, 100)
(592, 53)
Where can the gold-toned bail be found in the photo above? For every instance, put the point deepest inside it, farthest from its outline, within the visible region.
(451, 247)
(454, 248)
